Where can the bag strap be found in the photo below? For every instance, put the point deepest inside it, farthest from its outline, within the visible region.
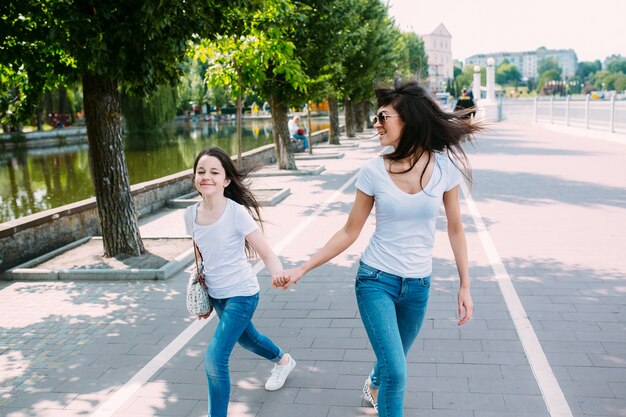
(196, 250)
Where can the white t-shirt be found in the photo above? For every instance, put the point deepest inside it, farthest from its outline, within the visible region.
(293, 127)
(222, 245)
(402, 243)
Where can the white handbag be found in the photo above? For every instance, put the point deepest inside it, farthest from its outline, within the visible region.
(198, 301)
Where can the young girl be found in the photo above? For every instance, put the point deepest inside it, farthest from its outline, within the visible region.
(407, 187)
(224, 229)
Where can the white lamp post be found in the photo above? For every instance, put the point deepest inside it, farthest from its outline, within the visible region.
(491, 79)
(476, 83)
(488, 107)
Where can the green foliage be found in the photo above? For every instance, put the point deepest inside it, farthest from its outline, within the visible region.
(149, 113)
(549, 64)
(507, 73)
(606, 80)
(465, 79)
(322, 55)
(617, 66)
(191, 87)
(13, 94)
(374, 51)
(545, 78)
(586, 68)
(418, 60)
(139, 45)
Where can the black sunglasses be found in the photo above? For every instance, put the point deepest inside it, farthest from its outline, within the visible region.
(382, 117)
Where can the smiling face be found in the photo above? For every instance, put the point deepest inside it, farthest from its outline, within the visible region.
(210, 176)
(390, 129)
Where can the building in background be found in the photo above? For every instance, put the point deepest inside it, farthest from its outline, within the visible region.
(527, 62)
(438, 47)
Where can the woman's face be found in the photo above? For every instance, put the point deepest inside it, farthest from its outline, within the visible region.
(389, 126)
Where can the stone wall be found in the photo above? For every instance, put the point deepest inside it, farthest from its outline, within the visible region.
(35, 235)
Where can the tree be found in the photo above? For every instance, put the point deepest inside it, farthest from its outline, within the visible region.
(586, 68)
(546, 83)
(322, 54)
(149, 114)
(259, 58)
(418, 60)
(507, 73)
(466, 78)
(110, 45)
(617, 65)
(241, 62)
(605, 80)
(373, 55)
(549, 64)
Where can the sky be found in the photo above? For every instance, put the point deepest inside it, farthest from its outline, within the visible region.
(593, 29)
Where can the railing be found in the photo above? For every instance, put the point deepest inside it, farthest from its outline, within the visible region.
(608, 115)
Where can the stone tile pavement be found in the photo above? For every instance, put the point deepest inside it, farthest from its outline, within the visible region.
(553, 206)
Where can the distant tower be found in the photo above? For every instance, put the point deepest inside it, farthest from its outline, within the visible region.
(438, 47)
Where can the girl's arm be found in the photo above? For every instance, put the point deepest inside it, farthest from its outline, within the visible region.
(456, 234)
(339, 242)
(265, 252)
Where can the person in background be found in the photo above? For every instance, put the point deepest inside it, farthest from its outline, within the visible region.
(465, 104)
(297, 132)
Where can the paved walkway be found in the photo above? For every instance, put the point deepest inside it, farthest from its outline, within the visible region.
(547, 238)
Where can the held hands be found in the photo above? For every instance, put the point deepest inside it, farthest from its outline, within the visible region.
(284, 279)
(465, 305)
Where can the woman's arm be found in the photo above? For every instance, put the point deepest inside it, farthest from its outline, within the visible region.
(265, 252)
(339, 242)
(456, 234)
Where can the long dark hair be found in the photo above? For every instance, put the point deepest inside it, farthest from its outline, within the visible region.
(238, 189)
(427, 127)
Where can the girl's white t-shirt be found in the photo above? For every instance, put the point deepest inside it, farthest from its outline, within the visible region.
(227, 271)
(402, 243)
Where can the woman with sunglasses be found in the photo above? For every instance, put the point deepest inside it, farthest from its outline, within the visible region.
(407, 186)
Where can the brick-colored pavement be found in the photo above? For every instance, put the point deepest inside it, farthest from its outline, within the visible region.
(554, 207)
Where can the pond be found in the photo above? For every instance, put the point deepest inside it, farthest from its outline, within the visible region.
(34, 180)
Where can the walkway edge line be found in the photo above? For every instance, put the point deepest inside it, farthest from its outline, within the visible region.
(548, 385)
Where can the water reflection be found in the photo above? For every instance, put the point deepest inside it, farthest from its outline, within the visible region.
(33, 180)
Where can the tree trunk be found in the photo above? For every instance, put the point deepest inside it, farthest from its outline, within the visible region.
(366, 113)
(349, 111)
(284, 151)
(239, 116)
(333, 113)
(39, 119)
(62, 101)
(103, 116)
(359, 120)
(48, 106)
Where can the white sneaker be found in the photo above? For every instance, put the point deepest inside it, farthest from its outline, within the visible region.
(368, 394)
(279, 375)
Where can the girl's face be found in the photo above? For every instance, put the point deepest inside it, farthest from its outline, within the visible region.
(389, 126)
(210, 177)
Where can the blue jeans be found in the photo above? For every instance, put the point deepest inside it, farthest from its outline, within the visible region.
(392, 309)
(304, 139)
(235, 326)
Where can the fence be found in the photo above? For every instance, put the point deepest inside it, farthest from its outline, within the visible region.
(587, 113)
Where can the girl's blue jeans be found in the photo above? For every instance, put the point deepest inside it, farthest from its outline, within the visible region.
(392, 309)
(235, 326)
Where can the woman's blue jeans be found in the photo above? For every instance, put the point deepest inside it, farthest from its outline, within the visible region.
(235, 326)
(392, 309)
